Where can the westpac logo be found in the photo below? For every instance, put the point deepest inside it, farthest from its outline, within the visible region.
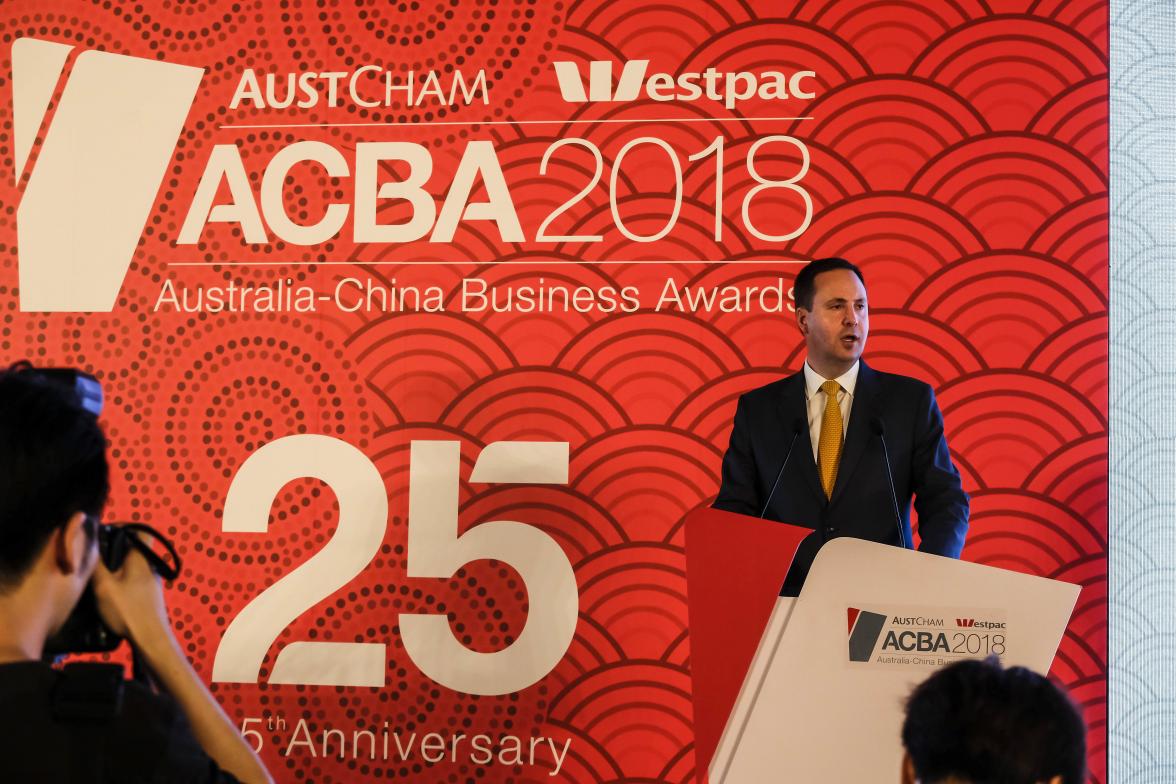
(726, 87)
(104, 155)
(972, 623)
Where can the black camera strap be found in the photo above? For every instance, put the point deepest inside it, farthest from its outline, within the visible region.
(137, 535)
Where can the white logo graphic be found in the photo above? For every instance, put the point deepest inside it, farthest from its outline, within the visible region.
(600, 82)
(105, 152)
(727, 88)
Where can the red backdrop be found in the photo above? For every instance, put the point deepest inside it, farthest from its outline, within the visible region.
(958, 154)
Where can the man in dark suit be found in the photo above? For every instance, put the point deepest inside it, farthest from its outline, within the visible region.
(835, 422)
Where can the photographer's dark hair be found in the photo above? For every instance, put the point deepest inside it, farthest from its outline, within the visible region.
(52, 464)
(806, 280)
(980, 723)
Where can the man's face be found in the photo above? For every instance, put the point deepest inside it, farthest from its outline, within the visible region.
(836, 327)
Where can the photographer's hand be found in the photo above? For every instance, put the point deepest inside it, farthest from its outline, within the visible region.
(131, 603)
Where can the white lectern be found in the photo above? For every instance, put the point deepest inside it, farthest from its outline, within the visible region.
(823, 698)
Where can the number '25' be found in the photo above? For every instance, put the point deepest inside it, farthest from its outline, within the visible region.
(434, 550)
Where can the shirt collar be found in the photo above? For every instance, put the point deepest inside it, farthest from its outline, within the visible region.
(813, 379)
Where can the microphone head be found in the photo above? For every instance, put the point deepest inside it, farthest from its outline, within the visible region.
(878, 426)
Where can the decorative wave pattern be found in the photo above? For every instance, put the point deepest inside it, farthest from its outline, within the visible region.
(1142, 668)
(959, 155)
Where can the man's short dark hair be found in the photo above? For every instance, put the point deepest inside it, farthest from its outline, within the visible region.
(978, 722)
(806, 280)
(52, 465)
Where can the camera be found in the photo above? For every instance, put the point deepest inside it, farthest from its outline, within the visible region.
(84, 631)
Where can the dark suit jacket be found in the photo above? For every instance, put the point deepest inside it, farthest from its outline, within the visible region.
(861, 506)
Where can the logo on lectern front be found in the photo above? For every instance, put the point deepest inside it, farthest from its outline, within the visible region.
(924, 636)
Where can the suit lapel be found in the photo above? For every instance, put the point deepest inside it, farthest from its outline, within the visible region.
(861, 415)
(793, 406)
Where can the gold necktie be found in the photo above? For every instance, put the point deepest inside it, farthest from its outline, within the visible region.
(829, 449)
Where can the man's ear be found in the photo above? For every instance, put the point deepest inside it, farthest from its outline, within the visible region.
(802, 317)
(71, 545)
(908, 770)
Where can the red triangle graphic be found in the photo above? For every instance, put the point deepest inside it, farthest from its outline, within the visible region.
(852, 612)
(735, 566)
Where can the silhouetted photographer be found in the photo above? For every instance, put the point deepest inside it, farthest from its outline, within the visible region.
(68, 583)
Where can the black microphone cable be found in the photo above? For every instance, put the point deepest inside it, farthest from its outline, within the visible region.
(797, 424)
(880, 429)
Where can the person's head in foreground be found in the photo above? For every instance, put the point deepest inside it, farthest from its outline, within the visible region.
(975, 722)
(53, 486)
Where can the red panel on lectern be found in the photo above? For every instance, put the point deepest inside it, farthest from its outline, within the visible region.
(735, 566)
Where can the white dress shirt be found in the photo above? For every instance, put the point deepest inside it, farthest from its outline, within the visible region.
(814, 398)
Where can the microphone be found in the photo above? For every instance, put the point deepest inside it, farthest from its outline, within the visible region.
(880, 429)
(797, 424)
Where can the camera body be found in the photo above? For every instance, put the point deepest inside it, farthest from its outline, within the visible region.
(84, 630)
